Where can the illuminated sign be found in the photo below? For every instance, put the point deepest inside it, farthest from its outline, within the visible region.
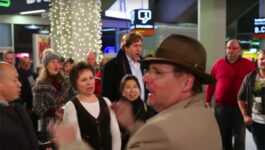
(17, 6)
(19, 55)
(109, 50)
(5, 3)
(142, 19)
(36, 1)
(122, 8)
(144, 15)
(259, 28)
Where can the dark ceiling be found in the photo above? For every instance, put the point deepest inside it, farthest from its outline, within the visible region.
(240, 12)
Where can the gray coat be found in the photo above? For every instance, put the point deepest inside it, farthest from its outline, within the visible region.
(47, 99)
(246, 90)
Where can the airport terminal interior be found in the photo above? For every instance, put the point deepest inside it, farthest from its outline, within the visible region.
(74, 27)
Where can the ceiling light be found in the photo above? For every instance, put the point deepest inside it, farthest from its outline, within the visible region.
(44, 31)
(32, 12)
(110, 29)
(32, 27)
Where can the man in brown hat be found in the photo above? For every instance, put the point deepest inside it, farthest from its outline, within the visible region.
(174, 78)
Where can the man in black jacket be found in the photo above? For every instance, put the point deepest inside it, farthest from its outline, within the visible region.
(15, 125)
(27, 78)
(126, 62)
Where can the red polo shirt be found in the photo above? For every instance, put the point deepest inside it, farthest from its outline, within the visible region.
(229, 78)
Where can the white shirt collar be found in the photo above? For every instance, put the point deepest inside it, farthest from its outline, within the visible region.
(130, 60)
(4, 103)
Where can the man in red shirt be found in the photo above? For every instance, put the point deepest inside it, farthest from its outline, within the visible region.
(229, 72)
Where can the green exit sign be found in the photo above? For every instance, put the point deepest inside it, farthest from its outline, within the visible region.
(5, 3)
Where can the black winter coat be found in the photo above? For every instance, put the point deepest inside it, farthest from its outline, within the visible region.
(13, 134)
(113, 72)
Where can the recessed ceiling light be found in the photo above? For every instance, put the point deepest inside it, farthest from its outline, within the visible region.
(44, 31)
(32, 27)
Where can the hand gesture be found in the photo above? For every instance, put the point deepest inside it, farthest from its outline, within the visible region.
(123, 111)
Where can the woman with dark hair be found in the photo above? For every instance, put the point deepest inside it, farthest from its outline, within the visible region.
(130, 91)
(95, 123)
(50, 93)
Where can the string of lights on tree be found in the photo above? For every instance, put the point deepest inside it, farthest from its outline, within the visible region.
(76, 28)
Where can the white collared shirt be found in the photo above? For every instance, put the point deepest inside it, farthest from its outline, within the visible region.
(4, 103)
(136, 71)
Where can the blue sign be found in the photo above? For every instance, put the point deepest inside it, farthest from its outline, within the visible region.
(259, 25)
(259, 28)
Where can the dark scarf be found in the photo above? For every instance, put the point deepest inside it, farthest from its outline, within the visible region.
(138, 108)
(55, 83)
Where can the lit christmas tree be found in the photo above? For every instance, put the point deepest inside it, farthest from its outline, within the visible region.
(76, 28)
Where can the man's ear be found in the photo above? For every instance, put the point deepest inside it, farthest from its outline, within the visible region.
(188, 81)
(125, 49)
(1, 86)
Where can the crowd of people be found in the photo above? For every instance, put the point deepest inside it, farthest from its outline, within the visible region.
(129, 102)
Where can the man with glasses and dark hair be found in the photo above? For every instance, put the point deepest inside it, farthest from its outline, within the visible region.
(229, 72)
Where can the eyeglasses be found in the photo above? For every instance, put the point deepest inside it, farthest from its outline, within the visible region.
(233, 48)
(155, 73)
(26, 63)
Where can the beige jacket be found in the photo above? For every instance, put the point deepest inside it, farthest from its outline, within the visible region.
(187, 125)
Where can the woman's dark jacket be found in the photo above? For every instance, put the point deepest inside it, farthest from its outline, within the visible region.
(141, 112)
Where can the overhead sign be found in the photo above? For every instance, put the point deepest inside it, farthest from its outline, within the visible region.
(142, 21)
(259, 28)
(122, 8)
(16, 6)
(36, 1)
(5, 3)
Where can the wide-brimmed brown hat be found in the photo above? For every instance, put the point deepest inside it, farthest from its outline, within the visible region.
(185, 52)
